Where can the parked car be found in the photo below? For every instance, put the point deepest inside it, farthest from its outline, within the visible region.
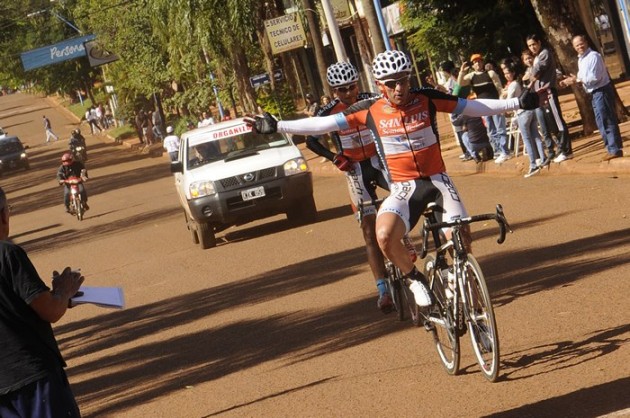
(228, 175)
(12, 154)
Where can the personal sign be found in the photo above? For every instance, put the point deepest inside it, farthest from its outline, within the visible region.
(285, 33)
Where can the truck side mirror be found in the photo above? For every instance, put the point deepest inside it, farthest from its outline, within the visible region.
(177, 167)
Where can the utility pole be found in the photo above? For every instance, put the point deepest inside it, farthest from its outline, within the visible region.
(340, 50)
(378, 43)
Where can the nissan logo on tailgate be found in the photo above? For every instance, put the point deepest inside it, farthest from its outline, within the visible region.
(248, 177)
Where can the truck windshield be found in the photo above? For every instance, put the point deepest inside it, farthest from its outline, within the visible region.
(219, 149)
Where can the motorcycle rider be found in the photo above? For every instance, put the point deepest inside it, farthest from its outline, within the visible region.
(77, 140)
(70, 168)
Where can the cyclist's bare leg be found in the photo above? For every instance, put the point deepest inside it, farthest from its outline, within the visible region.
(390, 229)
(377, 263)
(374, 255)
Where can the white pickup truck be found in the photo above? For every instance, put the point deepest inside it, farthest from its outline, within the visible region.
(228, 175)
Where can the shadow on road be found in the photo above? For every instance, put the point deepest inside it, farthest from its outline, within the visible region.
(590, 402)
(149, 370)
(514, 275)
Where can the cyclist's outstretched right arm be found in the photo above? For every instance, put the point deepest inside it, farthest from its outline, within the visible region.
(267, 124)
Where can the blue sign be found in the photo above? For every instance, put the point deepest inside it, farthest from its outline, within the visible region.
(259, 80)
(53, 54)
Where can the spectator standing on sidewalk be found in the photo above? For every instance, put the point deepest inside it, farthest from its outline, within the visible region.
(449, 85)
(550, 146)
(49, 132)
(526, 122)
(33, 382)
(544, 71)
(593, 76)
(171, 144)
(487, 85)
(156, 120)
(139, 125)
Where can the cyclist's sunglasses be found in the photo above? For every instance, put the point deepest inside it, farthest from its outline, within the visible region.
(391, 83)
(346, 89)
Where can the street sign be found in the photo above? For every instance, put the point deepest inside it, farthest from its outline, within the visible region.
(259, 80)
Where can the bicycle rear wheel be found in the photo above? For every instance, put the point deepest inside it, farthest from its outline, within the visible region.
(395, 289)
(442, 319)
(481, 322)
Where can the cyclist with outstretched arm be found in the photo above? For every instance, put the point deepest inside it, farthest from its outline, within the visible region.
(404, 125)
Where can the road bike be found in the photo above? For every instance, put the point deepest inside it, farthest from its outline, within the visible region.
(462, 299)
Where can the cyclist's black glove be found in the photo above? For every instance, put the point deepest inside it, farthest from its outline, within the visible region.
(529, 100)
(266, 124)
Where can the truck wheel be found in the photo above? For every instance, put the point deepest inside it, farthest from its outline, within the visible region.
(193, 231)
(206, 236)
(303, 212)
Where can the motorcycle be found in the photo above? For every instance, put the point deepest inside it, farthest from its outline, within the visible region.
(78, 148)
(79, 152)
(77, 206)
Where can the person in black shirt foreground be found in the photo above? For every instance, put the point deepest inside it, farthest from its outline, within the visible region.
(33, 382)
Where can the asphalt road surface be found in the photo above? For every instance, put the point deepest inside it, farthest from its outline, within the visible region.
(281, 321)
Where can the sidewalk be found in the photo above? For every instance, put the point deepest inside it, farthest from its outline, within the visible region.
(587, 151)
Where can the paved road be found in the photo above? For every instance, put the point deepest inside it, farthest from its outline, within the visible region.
(281, 321)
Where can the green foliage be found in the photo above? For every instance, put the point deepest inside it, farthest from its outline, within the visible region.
(455, 29)
(278, 102)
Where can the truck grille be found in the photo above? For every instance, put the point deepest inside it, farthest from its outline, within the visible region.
(239, 181)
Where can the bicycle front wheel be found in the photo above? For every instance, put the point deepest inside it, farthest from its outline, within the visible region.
(482, 324)
(442, 319)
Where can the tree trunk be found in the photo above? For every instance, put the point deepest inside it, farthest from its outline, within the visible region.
(241, 70)
(561, 21)
(316, 37)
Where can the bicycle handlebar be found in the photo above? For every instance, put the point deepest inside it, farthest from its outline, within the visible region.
(499, 216)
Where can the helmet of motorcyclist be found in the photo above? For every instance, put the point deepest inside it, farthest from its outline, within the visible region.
(389, 63)
(66, 158)
(169, 129)
(341, 74)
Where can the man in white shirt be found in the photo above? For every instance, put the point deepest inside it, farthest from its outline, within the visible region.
(593, 76)
(171, 144)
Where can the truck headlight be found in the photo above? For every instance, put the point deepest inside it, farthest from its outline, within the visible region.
(201, 188)
(23, 155)
(295, 166)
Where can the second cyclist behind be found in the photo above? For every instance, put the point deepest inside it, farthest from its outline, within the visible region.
(356, 157)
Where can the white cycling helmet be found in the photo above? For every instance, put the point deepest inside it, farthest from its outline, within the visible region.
(341, 73)
(390, 62)
(169, 129)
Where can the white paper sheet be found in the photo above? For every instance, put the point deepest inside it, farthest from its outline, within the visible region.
(106, 297)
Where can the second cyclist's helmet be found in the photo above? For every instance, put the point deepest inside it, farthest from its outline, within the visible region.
(390, 62)
(341, 74)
